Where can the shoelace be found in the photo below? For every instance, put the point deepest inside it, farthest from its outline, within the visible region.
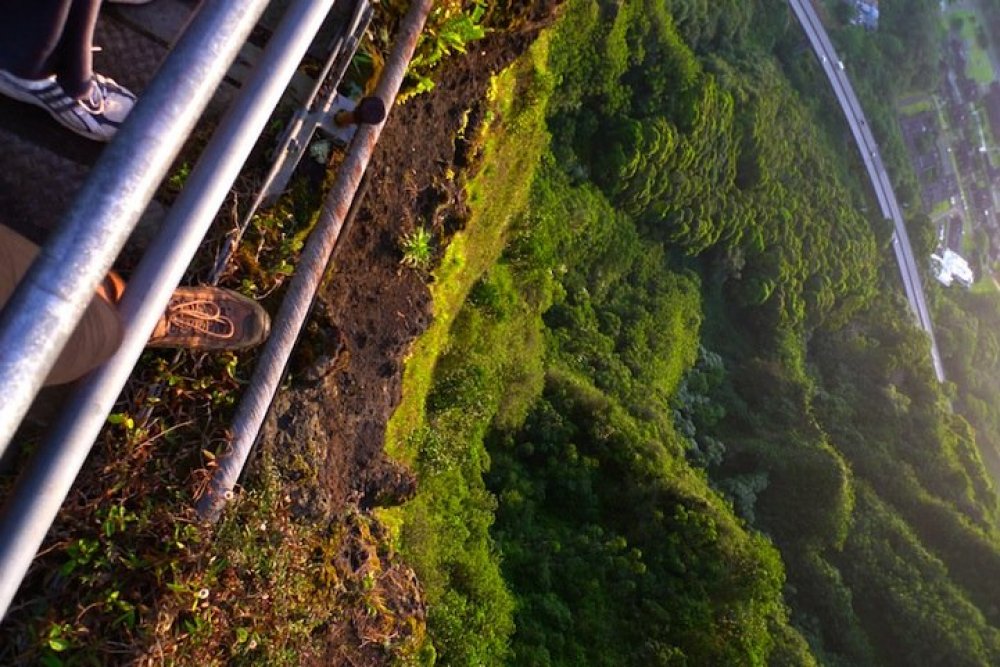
(95, 98)
(200, 315)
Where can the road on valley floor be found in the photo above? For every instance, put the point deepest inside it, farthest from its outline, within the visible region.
(834, 68)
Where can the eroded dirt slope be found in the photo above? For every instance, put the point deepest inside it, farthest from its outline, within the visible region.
(328, 425)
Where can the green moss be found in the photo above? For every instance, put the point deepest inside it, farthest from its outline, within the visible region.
(449, 397)
(515, 139)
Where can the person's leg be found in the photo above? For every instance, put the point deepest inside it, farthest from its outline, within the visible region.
(200, 318)
(96, 337)
(51, 65)
(73, 59)
(30, 34)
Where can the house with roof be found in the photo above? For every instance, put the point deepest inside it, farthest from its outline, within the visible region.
(867, 14)
(949, 266)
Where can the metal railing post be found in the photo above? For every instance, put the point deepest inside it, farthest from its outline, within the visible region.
(309, 272)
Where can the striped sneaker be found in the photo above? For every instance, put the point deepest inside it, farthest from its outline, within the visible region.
(97, 116)
(210, 318)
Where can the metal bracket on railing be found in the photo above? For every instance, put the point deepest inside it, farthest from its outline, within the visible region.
(295, 140)
(294, 144)
(323, 102)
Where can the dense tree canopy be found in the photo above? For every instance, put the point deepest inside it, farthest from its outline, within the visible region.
(714, 435)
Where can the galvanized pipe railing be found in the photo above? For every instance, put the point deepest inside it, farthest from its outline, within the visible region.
(125, 180)
(51, 299)
(309, 272)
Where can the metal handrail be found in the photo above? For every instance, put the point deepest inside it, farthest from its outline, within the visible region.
(52, 297)
(45, 309)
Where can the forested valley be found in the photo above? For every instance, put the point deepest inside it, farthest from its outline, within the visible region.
(685, 418)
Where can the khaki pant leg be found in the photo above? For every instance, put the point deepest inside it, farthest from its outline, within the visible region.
(96, 337)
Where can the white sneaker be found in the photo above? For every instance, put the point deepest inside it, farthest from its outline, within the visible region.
(97, 116)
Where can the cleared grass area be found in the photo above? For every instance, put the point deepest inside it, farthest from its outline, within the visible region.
(912, 108)
(940, 209)
(985, 285)
(978, 66)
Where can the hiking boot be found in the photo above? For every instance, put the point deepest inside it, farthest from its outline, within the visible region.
(210, 318)
(96, 116)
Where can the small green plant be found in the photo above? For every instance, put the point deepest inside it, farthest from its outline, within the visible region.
(115, 519)
(60, 637)
(451, 26)
(179, 178)
(417, 247)
(123, 419)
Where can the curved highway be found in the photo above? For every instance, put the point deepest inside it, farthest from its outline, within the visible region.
(834, 69)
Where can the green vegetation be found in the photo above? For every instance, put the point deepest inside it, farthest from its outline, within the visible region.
(977, 66)
(417, 247)
(967, 336)
(671, 410)
(917, 105)
(708, 431)
(445, 529)
(940, 209)
(450, 27)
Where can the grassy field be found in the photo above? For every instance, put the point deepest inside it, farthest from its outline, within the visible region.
(914, 105)
(978, 66)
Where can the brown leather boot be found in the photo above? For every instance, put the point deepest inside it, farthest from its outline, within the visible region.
(211, 318)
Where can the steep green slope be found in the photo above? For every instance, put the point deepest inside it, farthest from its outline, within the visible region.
(709, 432)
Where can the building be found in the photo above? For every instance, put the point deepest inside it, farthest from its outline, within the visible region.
(949, 266)
(867, 14)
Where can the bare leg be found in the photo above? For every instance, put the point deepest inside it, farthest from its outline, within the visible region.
(73, 62)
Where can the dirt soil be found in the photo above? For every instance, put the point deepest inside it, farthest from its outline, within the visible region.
(347, 372)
